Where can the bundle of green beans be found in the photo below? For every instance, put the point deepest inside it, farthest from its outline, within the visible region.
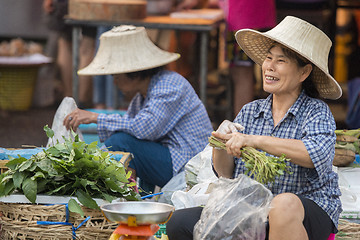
(262, 167)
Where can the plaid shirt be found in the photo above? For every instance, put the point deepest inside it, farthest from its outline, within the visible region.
(171, 114)
(311, 121)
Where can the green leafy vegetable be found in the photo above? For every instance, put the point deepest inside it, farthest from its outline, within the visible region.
(72, 168)
(262, 167)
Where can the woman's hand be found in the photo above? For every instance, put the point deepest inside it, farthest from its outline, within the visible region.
(229, 127)
(77, 117)
(234, 142)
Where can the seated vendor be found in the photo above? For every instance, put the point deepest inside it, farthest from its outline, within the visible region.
(166, 123)
(293, 120)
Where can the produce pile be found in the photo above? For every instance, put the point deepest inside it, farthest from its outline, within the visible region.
(346, 147)
(18, 47)
(261, 167)
(72, 168)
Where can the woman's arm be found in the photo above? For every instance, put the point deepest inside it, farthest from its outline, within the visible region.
(223, 163)
(292, 148)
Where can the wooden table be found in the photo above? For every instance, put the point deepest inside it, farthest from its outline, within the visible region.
(201, 26)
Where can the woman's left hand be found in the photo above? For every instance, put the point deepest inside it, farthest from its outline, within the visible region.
(234, 142)
(77, 117)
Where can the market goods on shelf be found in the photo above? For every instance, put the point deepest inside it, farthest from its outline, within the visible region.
(107, 10)
(346, 147)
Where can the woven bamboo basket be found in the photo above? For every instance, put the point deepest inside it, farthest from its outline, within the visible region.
(17, 87)
(348, 230)
(19, 221)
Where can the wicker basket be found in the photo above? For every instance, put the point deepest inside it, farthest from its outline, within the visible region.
(348, 230)
(17, 86)
(19, 221)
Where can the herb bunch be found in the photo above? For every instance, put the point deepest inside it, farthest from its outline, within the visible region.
(261, 167)
(72, 168)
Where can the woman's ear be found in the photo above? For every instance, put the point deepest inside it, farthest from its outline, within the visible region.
(306, 71)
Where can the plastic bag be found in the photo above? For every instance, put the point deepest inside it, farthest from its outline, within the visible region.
(199, 168)
(67, 105)
(236, 209)
(198, 195)
(176, 183)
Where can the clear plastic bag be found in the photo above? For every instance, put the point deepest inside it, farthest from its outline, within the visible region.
(236, 209)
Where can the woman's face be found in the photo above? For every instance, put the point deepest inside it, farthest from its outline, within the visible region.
(128, 86)
(282, 76)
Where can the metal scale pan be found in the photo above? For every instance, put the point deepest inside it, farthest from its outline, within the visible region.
(144, 212)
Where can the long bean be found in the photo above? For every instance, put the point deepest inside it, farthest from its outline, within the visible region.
(261, 167)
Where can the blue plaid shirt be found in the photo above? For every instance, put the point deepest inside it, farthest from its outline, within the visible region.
(171, 114)
(311, 121)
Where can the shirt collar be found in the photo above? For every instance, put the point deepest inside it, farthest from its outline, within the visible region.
(265, 107)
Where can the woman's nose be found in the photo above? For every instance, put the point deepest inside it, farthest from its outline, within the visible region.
(268, 65)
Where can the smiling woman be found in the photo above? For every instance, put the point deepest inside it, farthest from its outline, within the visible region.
(290, 121)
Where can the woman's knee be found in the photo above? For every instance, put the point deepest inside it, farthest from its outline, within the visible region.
(286, 206)
(119, 142)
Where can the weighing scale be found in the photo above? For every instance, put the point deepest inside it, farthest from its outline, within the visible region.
(137, 220)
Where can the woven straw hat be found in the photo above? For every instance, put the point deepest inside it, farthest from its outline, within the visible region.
(301, 37)
(126, 49)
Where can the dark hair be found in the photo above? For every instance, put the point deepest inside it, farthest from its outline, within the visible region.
(308, 85)
(145, 73)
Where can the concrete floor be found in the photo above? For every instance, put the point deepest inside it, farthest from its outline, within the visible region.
(21, 128)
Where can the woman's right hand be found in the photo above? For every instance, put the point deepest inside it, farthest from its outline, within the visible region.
(227, 127)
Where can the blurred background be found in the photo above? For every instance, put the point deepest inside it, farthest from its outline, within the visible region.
(35, 94)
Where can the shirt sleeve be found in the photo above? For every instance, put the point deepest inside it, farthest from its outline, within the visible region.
(319, 137)
(152, 121)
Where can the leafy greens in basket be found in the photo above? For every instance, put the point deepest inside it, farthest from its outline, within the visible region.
(72, 168)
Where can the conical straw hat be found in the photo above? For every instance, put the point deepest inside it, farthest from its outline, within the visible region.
(301, 37)
(126, 49)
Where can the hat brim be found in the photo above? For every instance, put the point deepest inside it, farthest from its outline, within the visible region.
(256, 45)
(98, 68)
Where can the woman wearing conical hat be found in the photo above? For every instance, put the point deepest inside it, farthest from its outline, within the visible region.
(166, 123)
(292, 120)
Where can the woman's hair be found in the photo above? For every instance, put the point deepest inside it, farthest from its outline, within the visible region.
(145, 73)
(308, 85)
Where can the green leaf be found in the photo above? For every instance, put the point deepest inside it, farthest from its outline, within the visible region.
(47, 166)
(108, 197)
(74, 206)
(56, 190)
(12, 164)
(8, 188)
(29, 188)
(25, 165)
(86, 200)
(18, 178)
(49, 132)
(38, 175)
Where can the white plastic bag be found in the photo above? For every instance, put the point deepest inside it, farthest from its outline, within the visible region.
(349, 179)
(198, 195)
(67, 105)
(237, 209)
(199, 168)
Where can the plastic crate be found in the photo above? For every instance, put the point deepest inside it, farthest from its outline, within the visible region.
(17, 86)
(162, 230)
